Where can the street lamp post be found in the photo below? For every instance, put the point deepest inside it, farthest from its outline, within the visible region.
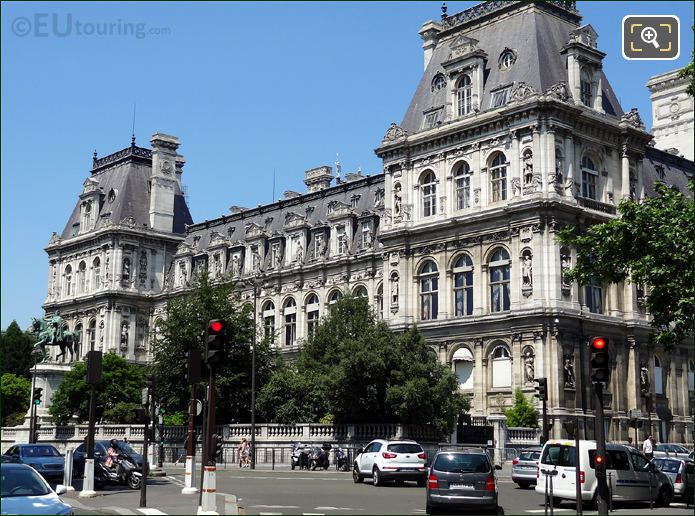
(256, 284)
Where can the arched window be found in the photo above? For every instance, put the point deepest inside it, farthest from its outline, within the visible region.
(464, 95)
(658, 376)
(312, 314)
(68, 281)
(499, 280)
(463, 286)
(78, 345)
(92, 333)
(585, 87)
(691, 375)
(380, 301)
(589, 178)
(269, 321)
(464, 363)
(428, 186)
(501, 366)
(82, 278)
(498, 177)
(360, 291)
(96, 274)
(593, 293)
(290, 311)
(463, 186)
(429, 291)
(333, 298)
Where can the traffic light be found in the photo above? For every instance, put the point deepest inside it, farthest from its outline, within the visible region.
(38, 393)
(599, 463)
(600, 367)
(149, 381)
(195, 366)
(216, 445)
(94, 367)
(541, 388)
(215, 337)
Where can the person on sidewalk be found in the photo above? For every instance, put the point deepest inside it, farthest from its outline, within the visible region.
(648, 447)
(243, 453)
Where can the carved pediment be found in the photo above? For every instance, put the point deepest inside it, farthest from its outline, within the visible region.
(523, 91)
(586, 35)
(559, 91)
(253, 230)
(217, 239)
(90, 185)
(394, 133)
(293, 219)
(184, 249)
(633, 118)
(338, 209)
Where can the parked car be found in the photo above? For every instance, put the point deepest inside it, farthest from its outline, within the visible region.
(524, 467)
(461, 479)
(677, 451)
(681, 473)
(631, 473)
(24, 491)
(100, 448)
(44, 458)
(383, 460)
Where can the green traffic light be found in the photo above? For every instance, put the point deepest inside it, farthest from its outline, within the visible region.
(37, 402)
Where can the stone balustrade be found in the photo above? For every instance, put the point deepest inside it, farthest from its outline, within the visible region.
(523, 436)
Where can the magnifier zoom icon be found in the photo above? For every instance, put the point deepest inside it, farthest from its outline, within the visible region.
(648, 35)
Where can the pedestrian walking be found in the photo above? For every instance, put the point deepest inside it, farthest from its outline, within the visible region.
(242, 450)
(648, 447)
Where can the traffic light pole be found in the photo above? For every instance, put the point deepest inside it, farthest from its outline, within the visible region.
(145, 462)
(209, 488)
(189, 486)
(253, 377)
(602, 492)
(32, 408)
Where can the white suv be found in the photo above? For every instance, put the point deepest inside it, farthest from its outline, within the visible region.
(384, 460)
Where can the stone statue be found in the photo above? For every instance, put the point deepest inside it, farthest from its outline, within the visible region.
(529, 367)
(568, 371)
(256, 260)
(126, 269)
(299, 253)
(183, 273)
(565, 266)
(124, 335)
(394, 290)
(644, 379)
(236, 265)
(217, 264)
(52, 334)
(527, 271)
(397, 200)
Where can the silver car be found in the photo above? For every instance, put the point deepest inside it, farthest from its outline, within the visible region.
(676, 451)
(524, 467)
(24, 491)
(681, 474)
(461, 479)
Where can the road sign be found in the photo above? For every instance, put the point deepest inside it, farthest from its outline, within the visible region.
(198, 407)
(635, 413)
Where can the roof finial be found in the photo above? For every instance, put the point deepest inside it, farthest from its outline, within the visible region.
(337, 167)
(94, 157)
(444, 15)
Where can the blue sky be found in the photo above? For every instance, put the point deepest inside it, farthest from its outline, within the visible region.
(250, 89)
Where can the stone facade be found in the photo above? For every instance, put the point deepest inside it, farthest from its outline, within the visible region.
(672, 114)
(458, 235)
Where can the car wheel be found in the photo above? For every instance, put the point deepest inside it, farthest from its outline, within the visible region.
(665, 497)
(357, 477)
(430, 510)
(421, 482)
(376, 477)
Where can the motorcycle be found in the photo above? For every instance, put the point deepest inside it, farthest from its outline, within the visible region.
(300, 457)
(319, 457)
(125, 472)
(340, 460)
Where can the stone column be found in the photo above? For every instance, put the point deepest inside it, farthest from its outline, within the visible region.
(625, 173)
(479, 379)
(515, 176)
(632, 393)
(537, 146)
(549, 158)
(570, 165)
(639, 194)
(483, 184)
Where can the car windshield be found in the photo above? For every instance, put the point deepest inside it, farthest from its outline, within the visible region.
(667, 466)
(462, 463)
(39, 451)
(22, 482)
(125, 447)
(404, 448)
(529, 455)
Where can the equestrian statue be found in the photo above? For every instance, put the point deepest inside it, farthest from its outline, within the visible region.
(51, 333)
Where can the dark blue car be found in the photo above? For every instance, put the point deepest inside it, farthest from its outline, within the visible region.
(44, 458)
(100, 448)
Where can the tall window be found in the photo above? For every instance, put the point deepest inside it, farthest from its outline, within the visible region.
(463, 286)
(498, 177)
(589, 178)
(341, 238)
(380, 301)
(82, 278)
(585, 87)
(499, 281)
(269, 321)
(593, 293)
(96, 274)
(290, 322)
(464, 95)
(68, 280)
(333, 298)
(77, 345)
(658, 376)
(312, 314)
(429, 291)
(691, 375)
(463, 186)
(366, 238)
(501, 367)
(360, 291)
(428, 187)
(92, 334)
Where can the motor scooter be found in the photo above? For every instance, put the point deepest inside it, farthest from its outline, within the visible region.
(124, 472)
(300, 457)
(319, 457)
(340, 460)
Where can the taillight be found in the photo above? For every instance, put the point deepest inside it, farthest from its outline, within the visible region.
(433, 482)
(490, 483)
(538, 472)
(388, 455)
(679, 479)
(581, 477)
(515, 462)
(422, 455)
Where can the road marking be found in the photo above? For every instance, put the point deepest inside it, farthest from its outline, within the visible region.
(147, 510)
(117, 510)
(284, 478)
(175, 480)
(269, 513)
(329, 508)
(556, 509)
(276, 506)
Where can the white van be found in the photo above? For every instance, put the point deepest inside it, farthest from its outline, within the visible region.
(629, 472)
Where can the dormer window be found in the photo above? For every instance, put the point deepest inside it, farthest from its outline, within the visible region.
(585, 87)
(500, 97)
(464, 95)
(433, 119)
(507, 59)
(439, 82)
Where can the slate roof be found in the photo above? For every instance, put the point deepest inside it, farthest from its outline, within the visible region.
(659, 165)
(128, 177)
(536, 33)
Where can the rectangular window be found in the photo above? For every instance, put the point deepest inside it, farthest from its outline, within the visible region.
(318, 245)
(594, 298)
(290, 329)
(432, 119)
(585, 88)
(269, 327)
(366, 239)
(429, 200)
(499, 98)
(658, 380)
(463, 293)
(464, 100)
(463, 192)
(589, 184)
(341, 237)
(498, 180)
(312, 322)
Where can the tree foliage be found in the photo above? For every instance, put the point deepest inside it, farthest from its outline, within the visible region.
(689, 72)
(651, 243)
(16, 391)
(15, 348)
(184, 328)
(122, 382)
(122, 413)
(355, 369)
(523, 413)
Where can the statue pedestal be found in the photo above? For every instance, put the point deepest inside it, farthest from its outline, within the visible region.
(49, 376)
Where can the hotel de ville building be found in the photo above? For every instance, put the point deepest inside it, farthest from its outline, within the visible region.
(513, 133)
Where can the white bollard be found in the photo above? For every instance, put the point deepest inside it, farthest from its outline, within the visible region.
(88, 481)
(153, 457)
(190, 487)
(67, 471)
(231, 506)
(209, 498)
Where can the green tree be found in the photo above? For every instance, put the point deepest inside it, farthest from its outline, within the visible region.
(122, 382)
(122, 413)
(184, 328)
(15, 348)
(651, 243)
(16, 391)
(523, 413)
(689, 71)
(292, 397)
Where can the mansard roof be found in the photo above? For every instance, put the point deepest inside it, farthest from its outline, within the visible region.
(673, 170)
(126, 173)
(308, 211)
(535, 31)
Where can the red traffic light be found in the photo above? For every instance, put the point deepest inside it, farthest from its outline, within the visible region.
(599, 460)
(598, 343)
(216, 326)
